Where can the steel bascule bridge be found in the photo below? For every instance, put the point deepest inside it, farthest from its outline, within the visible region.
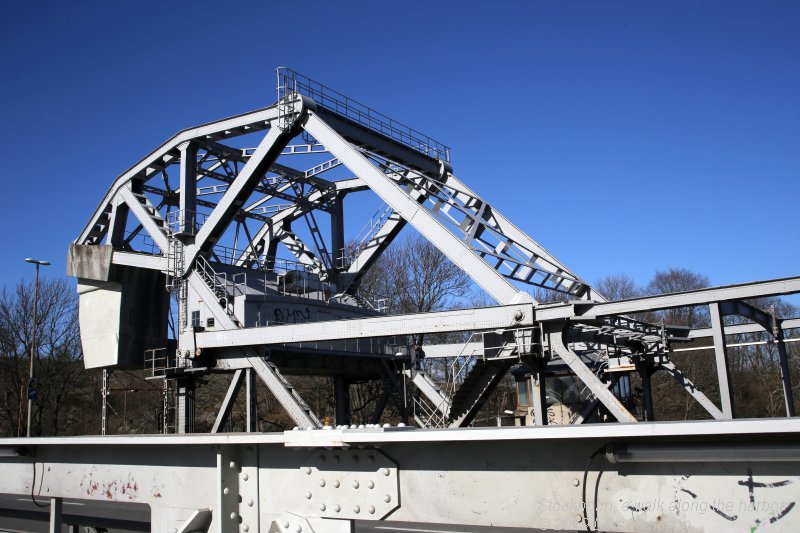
(209, 255)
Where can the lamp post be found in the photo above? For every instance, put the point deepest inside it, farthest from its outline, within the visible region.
(38, 263)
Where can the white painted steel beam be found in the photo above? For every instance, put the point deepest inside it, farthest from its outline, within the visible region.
(131, 259)
(742, 291)
(506, 316)
(700, 333)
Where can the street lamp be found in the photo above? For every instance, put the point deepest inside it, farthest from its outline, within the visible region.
(38, 263)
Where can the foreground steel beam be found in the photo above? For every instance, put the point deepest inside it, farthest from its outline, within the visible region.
(663, 477)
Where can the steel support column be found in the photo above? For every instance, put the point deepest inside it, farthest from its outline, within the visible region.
(539, 392)
(645, 370)
(188, 192)
(342, 401)
(185, 405)
(252, 401)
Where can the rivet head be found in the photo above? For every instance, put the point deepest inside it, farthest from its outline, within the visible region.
(336, 459)
(322, 507)
(355, 458)
(387, 498)
(250, 503)
(385, 471)
(355, 484)
(298, 528)
(233, 516)
(232, 464)
(371, 459)
(307, 470)
(356, 509)
(245, 477)
(285, 524)
(337, 508)
(245, 528)
(336, 484)
(321, 458)
(371, 509)
(226, 491)
(308, 495)
(371, 484)
(575, 482)
(321, 482)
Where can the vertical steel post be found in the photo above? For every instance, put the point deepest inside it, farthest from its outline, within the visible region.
(786, 378)
(55, 515)
(721, 354)
(645, 370)
(539, 392)
(104, 409)
(185, 408)
(188, 183)
(252, 401)
(38, 263)
(342, 401)
(337, 235)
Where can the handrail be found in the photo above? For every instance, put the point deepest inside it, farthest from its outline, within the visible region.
(290, 81)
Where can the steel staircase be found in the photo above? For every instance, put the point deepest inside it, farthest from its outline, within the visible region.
(482, 378)
(218, 284)
(436, 405)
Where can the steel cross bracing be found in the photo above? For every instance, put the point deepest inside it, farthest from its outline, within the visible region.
(222, 224)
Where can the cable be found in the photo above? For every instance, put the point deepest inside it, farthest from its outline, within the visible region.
(33, 484)
(583, 501)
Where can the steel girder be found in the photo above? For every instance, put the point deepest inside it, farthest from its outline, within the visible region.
(698, 476)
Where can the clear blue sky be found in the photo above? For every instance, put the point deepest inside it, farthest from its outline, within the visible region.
(623, 136)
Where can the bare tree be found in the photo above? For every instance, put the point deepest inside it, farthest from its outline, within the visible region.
(617, 287)
(58, 370)
(415, 277)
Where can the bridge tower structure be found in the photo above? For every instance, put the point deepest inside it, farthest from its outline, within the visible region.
(227, 249)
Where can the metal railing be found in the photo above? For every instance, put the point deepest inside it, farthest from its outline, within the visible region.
(290, 81)
(178, 218)
(158, 360)
(217, 282)
(428, 415)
